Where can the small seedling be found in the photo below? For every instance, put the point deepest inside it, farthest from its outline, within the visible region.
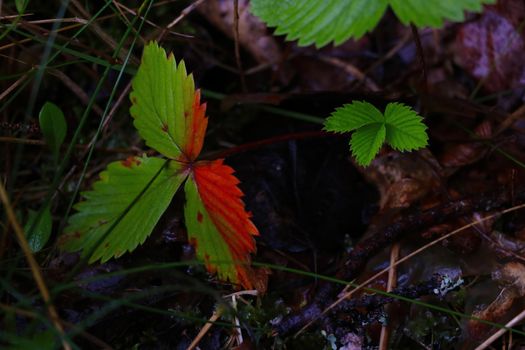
(131, 195)
(400, 126)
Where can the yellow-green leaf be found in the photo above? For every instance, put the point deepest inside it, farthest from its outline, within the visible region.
(123, 207)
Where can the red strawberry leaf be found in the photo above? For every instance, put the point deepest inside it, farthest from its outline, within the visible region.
(169, 116)
(218, 225)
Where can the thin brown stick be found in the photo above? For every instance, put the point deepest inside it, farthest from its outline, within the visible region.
(78, 9)
(117, 104)
(33, 264)
(394, 50)
(517, 114)
(236, 323)
(252, 292)
(13, 86)
(77, 90)
(179, 18)
(518, 318)
(61, 20)
(346, 295)
(205, 329)
(2, 18)
(351, 69)
(184, 13)
(33, 142)
(392, 283)
(237, 46)
(99, 19)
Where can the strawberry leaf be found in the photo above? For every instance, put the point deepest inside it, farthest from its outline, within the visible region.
(433, 13)
(400, 126)
(218, 226)
(123, 207)
(405, 130)
(166, 108)
(353, 116)
(322, 22)
(366, 142)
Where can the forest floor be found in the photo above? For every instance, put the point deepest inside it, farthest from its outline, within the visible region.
(422, 249)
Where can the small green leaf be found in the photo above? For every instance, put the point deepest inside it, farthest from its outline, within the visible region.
(405, 130)
(123, 207)
(21, 6)
(39, 235)
(366, 142)
(401, 127)
(53, 126)
(166, 107)
(353, 116)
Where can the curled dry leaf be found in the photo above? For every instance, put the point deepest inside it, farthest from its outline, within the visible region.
(512, 274)
(491, 48)
(403, 179)
(497, 311)
(467, 153)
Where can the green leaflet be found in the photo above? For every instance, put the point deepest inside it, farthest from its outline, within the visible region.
(162, 91)
(400, 126)
(362, 113)
(123, 207)
(432, 13)
(21, 6)
(367, 141)
(405, 130)
(321, 22)
(38, 237)
(53, 126)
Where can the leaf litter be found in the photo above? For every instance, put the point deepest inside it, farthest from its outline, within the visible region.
(313, 205)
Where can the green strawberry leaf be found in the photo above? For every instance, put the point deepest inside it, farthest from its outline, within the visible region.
(405, 130)
(400, 126)
(366, 142)
(432, 13)
(123, 207)
(321, 22)
(353, 116)
(166, 107)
